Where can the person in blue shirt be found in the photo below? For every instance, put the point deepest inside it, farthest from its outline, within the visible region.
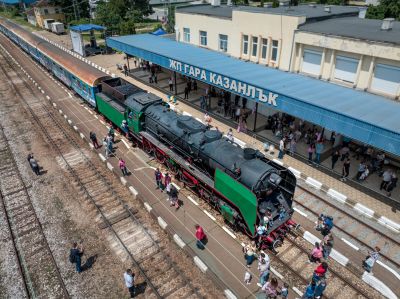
(319, 148)
(320, 288)
(310, 290)
(328, 225)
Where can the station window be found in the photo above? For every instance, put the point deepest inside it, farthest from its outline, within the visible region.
(264, 48)
(254, 46)
(186, 35)
(245, 44)
(274, 55)
(223, 42)
(203, 38)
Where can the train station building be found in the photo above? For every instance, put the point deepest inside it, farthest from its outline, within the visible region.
(332, 76)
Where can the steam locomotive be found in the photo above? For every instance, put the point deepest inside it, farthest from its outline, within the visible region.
(241, 183)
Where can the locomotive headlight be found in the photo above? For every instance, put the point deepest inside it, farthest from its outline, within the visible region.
(275, 179)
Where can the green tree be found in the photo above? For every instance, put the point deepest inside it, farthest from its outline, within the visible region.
(70, 8)
(385, 9)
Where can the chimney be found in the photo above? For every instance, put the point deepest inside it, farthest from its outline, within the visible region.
(362, 12)
(327, 9)
(215, 3)
(387, 24)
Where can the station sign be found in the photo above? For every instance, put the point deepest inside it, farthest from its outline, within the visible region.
(227, 83)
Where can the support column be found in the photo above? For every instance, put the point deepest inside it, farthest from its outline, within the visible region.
(255, 118)
(127, 62)
(176, 91)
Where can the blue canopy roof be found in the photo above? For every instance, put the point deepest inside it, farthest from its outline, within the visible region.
(159, 31)
(87, 27)
(360, 115)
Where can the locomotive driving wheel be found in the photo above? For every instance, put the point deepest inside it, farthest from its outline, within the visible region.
(160, 157)
(148, 148)
(171, 167)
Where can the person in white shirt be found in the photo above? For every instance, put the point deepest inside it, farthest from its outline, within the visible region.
(229, 135)
(281, 148)
(129, 278)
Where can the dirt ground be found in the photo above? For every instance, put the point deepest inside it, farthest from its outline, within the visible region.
(63, 213)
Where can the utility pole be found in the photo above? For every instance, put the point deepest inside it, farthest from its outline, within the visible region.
(76, 10)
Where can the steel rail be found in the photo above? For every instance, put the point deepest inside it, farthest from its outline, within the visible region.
(93, 168)
(39, 224)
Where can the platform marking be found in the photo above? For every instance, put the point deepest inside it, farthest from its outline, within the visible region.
(279, 162)
(193, 201)
(300, 212)
(364, 210)
(123, 180)
(102, 158)
(228, 231)
(148, 207)
(103, 122)
(176, 186)
(91, 112)
(162, 222)
(297, 291)
(134, 192)
(179, 241)
(82, 136)
(378, 285)
(276, 273)
(229, 294)
(96, 117)
(126, 144)
(337, 195)
(313, 183)
(209, 215)
(109, 166)
(350, 244)
(75, 128)
(199, 263)
(296, 172)
(389, 223)
(394, 272)
(91, 145)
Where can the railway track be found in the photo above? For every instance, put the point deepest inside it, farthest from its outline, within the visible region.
(37, 266)
(350, 226)
(131, 238)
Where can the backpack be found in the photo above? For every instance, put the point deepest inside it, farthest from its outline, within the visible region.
(72, 257)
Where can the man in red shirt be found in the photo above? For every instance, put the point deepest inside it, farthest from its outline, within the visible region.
(200, 236)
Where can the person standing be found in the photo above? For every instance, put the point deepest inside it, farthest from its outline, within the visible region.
(125, 70)
(310, 151)
(122, 166)
(263, 267)
(319, 148)
(316, 253)
(310, 291)
(129, 278)
(386, 178)
(200, 236)
(34, 165)
(194, 85)
(392, 184)
(335, 157)
(171, 84)
(371, 258)
(250, 253)
(281, 148)
(293, 145)
(345, 170)
(271, 288)
(327, 245)
(229, 135)
(93, 138)
(158, 177)
(76, 256)
(186, 92)
(320, 288)
(167, 179)
(320, 272)
(361, 169)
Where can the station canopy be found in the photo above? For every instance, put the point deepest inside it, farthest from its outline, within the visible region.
(87, 27)
(372, 119)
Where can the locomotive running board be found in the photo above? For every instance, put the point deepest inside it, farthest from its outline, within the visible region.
(183, 163)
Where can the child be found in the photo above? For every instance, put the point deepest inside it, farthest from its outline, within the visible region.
(285, 291)
(247, 277)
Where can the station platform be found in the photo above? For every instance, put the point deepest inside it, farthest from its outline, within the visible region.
(223, 254)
